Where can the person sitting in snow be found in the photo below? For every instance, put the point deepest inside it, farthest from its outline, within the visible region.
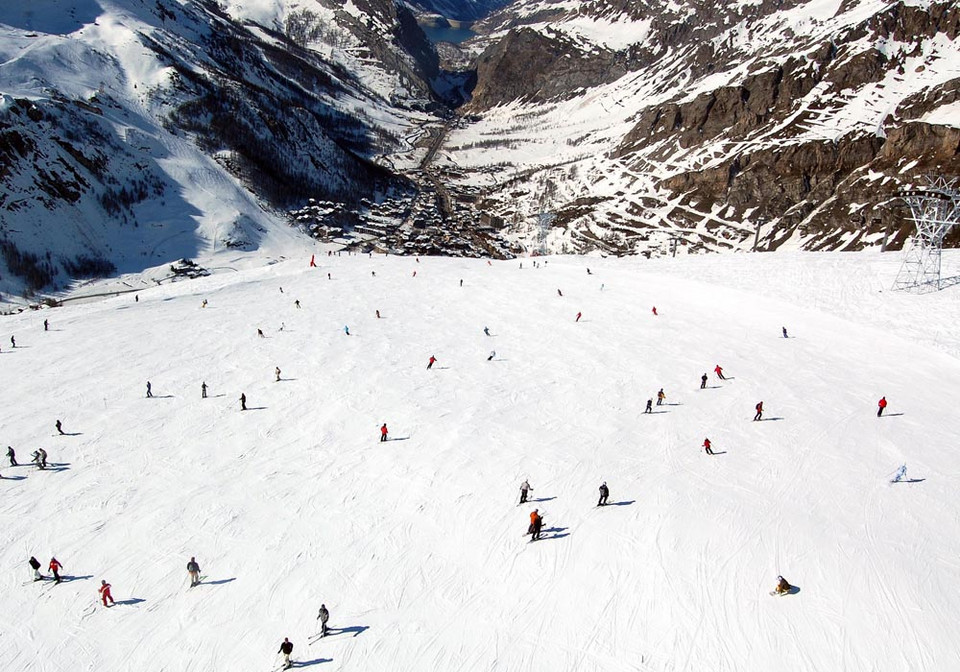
(783, 587)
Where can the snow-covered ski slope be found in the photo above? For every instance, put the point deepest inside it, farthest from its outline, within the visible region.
(416, 545)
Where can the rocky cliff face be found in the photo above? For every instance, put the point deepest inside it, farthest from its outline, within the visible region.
(711, 119)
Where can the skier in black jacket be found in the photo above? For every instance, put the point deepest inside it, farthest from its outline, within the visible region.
(193, 569)
(12, 455)
(286, 648)
(323, 617)
(604, 493)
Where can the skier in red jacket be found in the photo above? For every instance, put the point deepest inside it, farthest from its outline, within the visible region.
(759, 411)
(579, 315)
(882, 404)
(55, 568)
(706, 446)
(654, 310)
(719, 372)
(104, 591)
(430, 363)
(383, 432)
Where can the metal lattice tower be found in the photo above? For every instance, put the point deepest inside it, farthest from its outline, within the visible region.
(934, 209)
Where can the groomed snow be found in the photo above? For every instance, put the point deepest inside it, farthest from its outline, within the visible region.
(416, 545)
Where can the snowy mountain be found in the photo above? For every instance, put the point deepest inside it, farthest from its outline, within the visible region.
(416, 545)
(635, 124)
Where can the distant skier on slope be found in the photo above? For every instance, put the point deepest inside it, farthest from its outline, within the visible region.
(46, 325)
(383, 432)
(719, 371)
(378, 314)
(486, 330)
(579, 315)
(703, 381)
(55, 568)
(493, 353)
(13, 342)
(276, 372)
(882, 404)
(707, 447)
(105, 595)
(43, 458)
(649, 408)
(660, 397)
(286, 648)
(243, 401)
(59, 427)
(149, 390)
(524, 490)
(785, 332)
(203, 390)
(346, 330)
(430, 362)
(654, 311)
(12, 456)
(193, 570)
(35, 566)
(604, 493)
(260, 333)
(759, 411)
(323, 617)
(297, 304)
(36, 459)
(536, 524)
(559, 293)
(782, 586)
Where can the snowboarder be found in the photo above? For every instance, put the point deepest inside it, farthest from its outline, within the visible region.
(35, 566)
(378, 314)
(383, 432)
(43, 458)
(660, 397)
(703, 381)
(260, 333)
(36, 459)
(649, 408)
(719, 371)
(493, 353)
(323, 617)
(243, 401)
(277, 371)
(59, 427)
(193, 569)
(536, 524)
(12, 456)
(654, 311)
(782, 586)
(784, 332)
(297, 304)
(706, 446)
(346, 330)
(759, 411)
(524, 490)
(430, 363)
(486, 330)
(579, 315)
(882, 404)
(149, 390)
(55, 568)
(46, 325)
(604, 493)
(286, 648)
(104, 591)
(203, 390)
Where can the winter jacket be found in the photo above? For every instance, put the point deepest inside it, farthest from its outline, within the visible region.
(55, 565)
(324, 615)
(286, 647)
(192, 566)
(883, 402)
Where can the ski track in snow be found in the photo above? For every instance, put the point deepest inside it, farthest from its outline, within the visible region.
(416, 545)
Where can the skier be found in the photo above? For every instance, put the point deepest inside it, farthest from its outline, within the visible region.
(719, 372)
(260, 333)
(782, 586)
(55, 568)
(203, 390)
(136, 298)
(882, 404)
(378, 314)
(430, 363)
(383, 432)
(43, 458)
(46, 325)
(486, 330)
(104, 591)
(286, 648)
(323, 617)
(35, 565)
(579, 315)
(243, 401)
(313, 261)
(346, 330)
(297, 304)
(706, 446)
(283, 325)
(36, 459)
(536, 524)
(60, 427)
(493, 353)
(900, 475)
(660, 397)
(277, 371)
(13, 342)
(204, 304)
(588, 272)
(703, 381)
(461, 282)
(649, 408)
(604, 493)
(524, 489)
(654, 311)
(149, 390)
(785, 336)
(12, 456)
(193, 569)
(759, 411)
(559, 293)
